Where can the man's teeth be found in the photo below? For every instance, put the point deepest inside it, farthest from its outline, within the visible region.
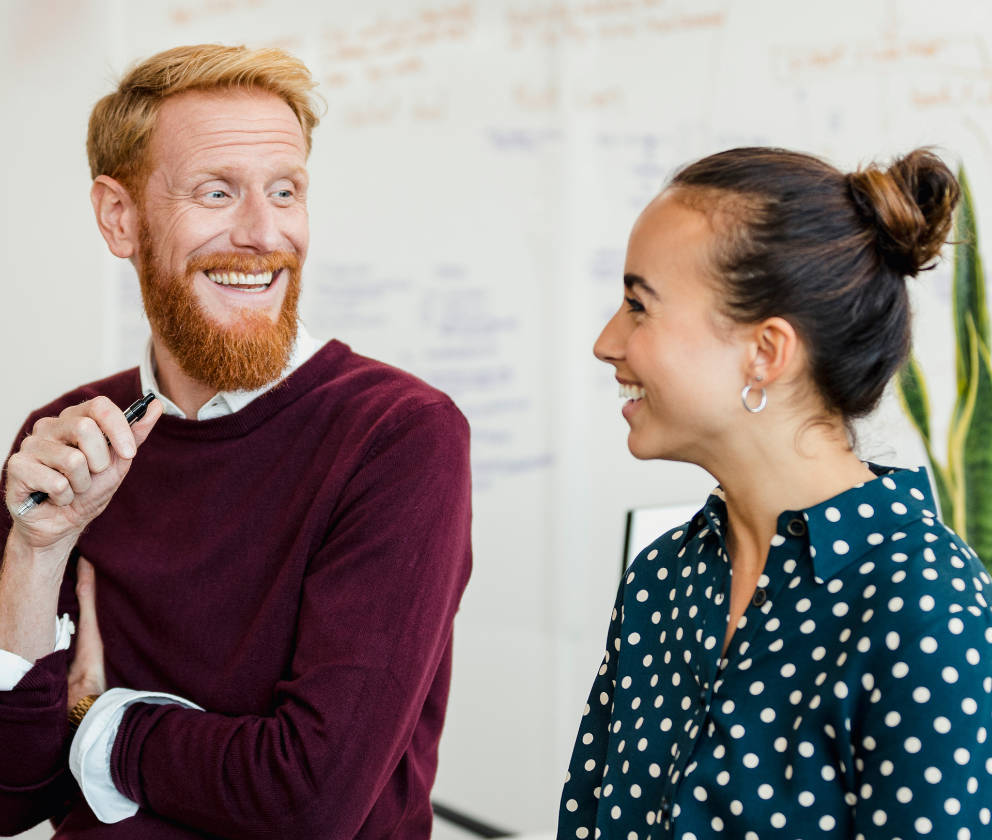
(234, 278)
(631, 392)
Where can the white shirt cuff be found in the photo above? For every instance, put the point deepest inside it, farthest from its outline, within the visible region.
(89, 755)
(14, 667)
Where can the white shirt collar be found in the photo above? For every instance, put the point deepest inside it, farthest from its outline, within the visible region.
(227, 402)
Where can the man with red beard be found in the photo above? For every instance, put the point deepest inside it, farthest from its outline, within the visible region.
(250, 636)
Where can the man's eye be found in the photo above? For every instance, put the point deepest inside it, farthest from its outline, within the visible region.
(284, 193)
(216, 194)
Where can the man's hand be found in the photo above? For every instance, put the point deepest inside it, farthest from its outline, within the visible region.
(86, 675)
(79, 459)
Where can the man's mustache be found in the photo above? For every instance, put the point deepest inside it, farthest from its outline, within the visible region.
(243, 263)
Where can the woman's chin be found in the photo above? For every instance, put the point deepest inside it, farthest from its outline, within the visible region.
(640, 449)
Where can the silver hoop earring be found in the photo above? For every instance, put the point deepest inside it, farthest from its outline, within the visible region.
(760, 406)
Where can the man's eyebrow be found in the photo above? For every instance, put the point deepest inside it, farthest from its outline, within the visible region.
(632, 281)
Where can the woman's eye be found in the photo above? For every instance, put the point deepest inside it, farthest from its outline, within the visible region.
(633, 305)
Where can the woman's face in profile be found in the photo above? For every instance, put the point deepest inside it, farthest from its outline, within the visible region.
(680, 363)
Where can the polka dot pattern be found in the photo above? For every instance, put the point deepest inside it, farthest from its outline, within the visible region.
(854, 700)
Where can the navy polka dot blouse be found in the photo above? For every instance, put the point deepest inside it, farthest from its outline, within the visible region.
(854, 700)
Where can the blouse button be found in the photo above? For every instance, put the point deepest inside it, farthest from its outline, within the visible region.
(760, 596)
(796, 527)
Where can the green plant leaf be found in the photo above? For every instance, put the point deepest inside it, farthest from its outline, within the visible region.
(958, 432)
(968, 291)
(965, 486)
(977, 453)
(911, 387)
(945, 490)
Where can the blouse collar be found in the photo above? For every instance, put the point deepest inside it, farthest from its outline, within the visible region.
(842, 529)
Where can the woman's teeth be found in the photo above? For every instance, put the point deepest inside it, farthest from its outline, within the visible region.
(631, 392)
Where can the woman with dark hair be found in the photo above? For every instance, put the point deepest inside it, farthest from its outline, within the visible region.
(811, 654)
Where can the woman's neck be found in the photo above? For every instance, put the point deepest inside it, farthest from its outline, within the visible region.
(762, 479)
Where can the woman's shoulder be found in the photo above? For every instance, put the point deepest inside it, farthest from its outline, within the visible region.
(929, 592)
(926, 554)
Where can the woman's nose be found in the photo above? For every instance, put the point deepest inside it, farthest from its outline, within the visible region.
(609, 347)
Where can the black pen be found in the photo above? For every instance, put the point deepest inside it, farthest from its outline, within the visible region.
(133, 413)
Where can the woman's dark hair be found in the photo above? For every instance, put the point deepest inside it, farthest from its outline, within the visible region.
(829, 252)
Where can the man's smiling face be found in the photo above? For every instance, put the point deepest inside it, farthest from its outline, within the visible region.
(224, 233)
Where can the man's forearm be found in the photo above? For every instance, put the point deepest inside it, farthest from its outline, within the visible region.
(30, 580)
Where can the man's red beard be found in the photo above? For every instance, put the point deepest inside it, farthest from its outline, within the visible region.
(247, 354)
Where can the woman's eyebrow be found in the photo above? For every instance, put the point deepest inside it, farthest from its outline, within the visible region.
(632, 281)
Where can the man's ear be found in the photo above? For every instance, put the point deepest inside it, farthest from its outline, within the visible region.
(776, 351)
(116, 215)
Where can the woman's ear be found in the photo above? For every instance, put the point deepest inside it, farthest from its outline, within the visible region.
(775, 351)
(116, 216)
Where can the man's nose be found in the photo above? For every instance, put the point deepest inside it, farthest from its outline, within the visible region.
(609, 347)
(256, 224)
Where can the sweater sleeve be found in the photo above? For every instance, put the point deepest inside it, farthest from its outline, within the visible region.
(34, 728)
(33, 724)
(373, 633)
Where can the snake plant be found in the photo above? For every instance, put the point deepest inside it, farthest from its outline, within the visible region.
(964, 483)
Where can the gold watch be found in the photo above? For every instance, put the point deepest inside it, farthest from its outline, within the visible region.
(77, 712)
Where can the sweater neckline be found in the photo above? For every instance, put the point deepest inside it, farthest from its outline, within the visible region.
(300, 382)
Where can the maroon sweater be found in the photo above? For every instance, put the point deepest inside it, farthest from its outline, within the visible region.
(294, 569)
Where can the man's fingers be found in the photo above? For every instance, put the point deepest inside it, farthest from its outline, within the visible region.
(86, 428)
(113, 426)
(89, 645)
(26, 474)
(141, 429)
(124, 438)
(86, 590)
(78, 430)
(86, 675)
(53, 467)
(88, 640)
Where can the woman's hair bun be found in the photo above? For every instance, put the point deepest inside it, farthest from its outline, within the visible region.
(911, 205)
